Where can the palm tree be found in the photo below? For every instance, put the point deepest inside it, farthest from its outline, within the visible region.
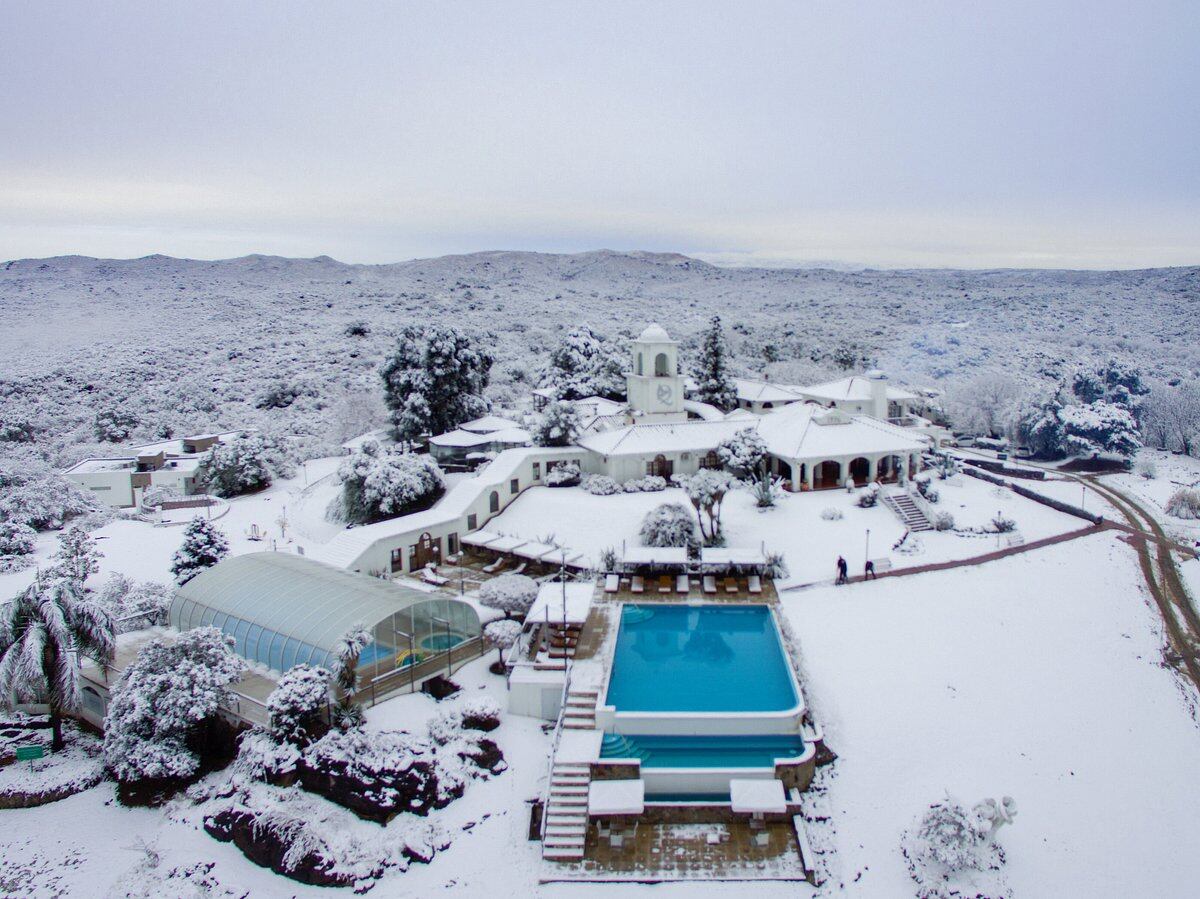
(43, 630)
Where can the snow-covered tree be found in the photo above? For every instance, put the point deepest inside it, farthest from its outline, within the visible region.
(985, 405)
(164, 698)
(297, 704)
(16, 545)
(1184, 503)
(511, 594)
(557, 425)
(706, 490)
(714, 382)
(1171, 417)
(585, 364)
(1115, 382)
(348, 713)
(744, 453)
(669, 524)
(501, 634)
(1039, 427)
(36, 495)
(565, 474)
(379, 483)
(240, 465)
(203, 547)
(77, 556)
(43, 631)
(114, 425)
(122, 597)
(434, 380)
(951, 844)
(1099, 427)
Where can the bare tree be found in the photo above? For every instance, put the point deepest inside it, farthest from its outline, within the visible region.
(1171, 417)
(985, 404)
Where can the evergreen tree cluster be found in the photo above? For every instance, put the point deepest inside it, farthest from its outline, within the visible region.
(714, 382)
(585, 364)
(434, 381)
(203, 547)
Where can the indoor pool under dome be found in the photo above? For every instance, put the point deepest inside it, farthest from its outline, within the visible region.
(700, 659)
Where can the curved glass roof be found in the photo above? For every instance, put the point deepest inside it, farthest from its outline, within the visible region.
(285, 609)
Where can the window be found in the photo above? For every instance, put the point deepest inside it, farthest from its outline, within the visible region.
(537, 471)
(100, 488)
(397, 560)
(494, 502)
(93, 702)
(640, 368)
(472, 522)
(252, 636)
(514, 486)
(661, 366)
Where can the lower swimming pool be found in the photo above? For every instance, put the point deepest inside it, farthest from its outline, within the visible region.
(713, 658)
(668, 751)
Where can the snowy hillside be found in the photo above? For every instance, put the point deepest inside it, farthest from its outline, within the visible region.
(268, 341)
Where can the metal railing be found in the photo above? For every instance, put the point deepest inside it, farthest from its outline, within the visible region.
(409, 677)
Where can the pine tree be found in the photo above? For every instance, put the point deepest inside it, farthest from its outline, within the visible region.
(434, 381)
(714, 384)
(203, 547)
(77, 557)
(585, 364)
(42, 632)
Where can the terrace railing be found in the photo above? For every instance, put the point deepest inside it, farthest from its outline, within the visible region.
(408, 679)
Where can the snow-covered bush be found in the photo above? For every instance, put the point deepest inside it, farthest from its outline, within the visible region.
(297, 704)
(706, 490)
(511, 594)
(148, 601)
(927, 492)
(16, 545)
(869, 498)
(480, 713)
(1001, 524)
(651, 483)
(565, 475)
(435, 379)
(1100, 427)
(33, 494)
(163, 700)
(1147, 469)
(114, 425)
(585, 364)
(501, 634)
(829, 513)
(379, 483)
(557, 425)
(203, 547)
(766, 490)
(77, 556)
(608, 559)
(669, 524)
(245, 464)
(776, 566)
(744, 453)
(1184, 503)
(952, 852)
(943, 521)
(600, 485)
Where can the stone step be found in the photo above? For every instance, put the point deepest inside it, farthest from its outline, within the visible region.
(562, 840)
(563, 853)
(557, 790)
(569, 802)
(561, 830)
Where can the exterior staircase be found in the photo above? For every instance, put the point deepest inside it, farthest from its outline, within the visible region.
(907, 511)
(580, 713)
(566, 811)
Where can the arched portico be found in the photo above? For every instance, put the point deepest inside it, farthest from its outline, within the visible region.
(827, 475)
(889, 469)
(860, 470)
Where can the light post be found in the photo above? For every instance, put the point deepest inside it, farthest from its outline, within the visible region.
(449, 654)
(868, 558)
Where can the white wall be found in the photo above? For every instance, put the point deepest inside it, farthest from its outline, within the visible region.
(114, 488)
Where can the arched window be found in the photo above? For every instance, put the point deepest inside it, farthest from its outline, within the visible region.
(661, 364)
(640, 372)
(494, 502)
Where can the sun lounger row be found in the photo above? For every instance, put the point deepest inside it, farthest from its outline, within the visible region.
(681, 584)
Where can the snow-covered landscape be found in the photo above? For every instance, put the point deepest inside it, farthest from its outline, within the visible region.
(635, 450)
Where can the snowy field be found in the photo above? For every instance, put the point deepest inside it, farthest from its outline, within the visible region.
(1037, 677)
(810, 544)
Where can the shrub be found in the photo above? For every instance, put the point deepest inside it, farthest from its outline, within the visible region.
(1184, 503)
(114, 425)
(358, 328)
(379, 483)
(558, 425)
(651, 483)
(480, 713)
(509, 593)
(1147, 469)
(296, 704)
(868, 498)
(240, 465)
(1003, 525)
(600, 485)
(670, 524)
(565, 475)
(943, 521)
(829, 513)
(16, 545)
(608, 559)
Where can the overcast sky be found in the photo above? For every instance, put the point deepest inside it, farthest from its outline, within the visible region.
(1048, 134)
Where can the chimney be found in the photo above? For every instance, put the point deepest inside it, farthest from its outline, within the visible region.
(879, 400)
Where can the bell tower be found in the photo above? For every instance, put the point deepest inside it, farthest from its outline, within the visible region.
(654, 386)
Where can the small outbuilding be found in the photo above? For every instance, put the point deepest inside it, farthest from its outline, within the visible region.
(284, 610)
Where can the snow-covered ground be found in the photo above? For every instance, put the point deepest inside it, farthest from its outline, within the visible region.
(1038, 677)
(810, 544)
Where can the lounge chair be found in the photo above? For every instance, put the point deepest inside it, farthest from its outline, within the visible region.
(638, 585)
(731, 585)
(520, 568)
(612, 583)
(430, 576)
(664, 583)
(755, 584)
(710, 583)
(495, 566)
(681, 584)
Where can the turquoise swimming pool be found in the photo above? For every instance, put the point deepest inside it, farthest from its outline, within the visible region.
(661, 751)
(713, 658)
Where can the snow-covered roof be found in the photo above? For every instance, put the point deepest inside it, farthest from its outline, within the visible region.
(286, 609)
(703, 410)
(655, 555)
(762, 795)
(488, 424)
(803, 431)
(549, 603)
(344, 549)
(753, 391)
(617, 797)
(733, 555)
(655, 333)
(856, 388)
(661, 437)
(597, 405)
(460, 437)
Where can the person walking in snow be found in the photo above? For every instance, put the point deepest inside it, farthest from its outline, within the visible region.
(869, 575)
(842, 568)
